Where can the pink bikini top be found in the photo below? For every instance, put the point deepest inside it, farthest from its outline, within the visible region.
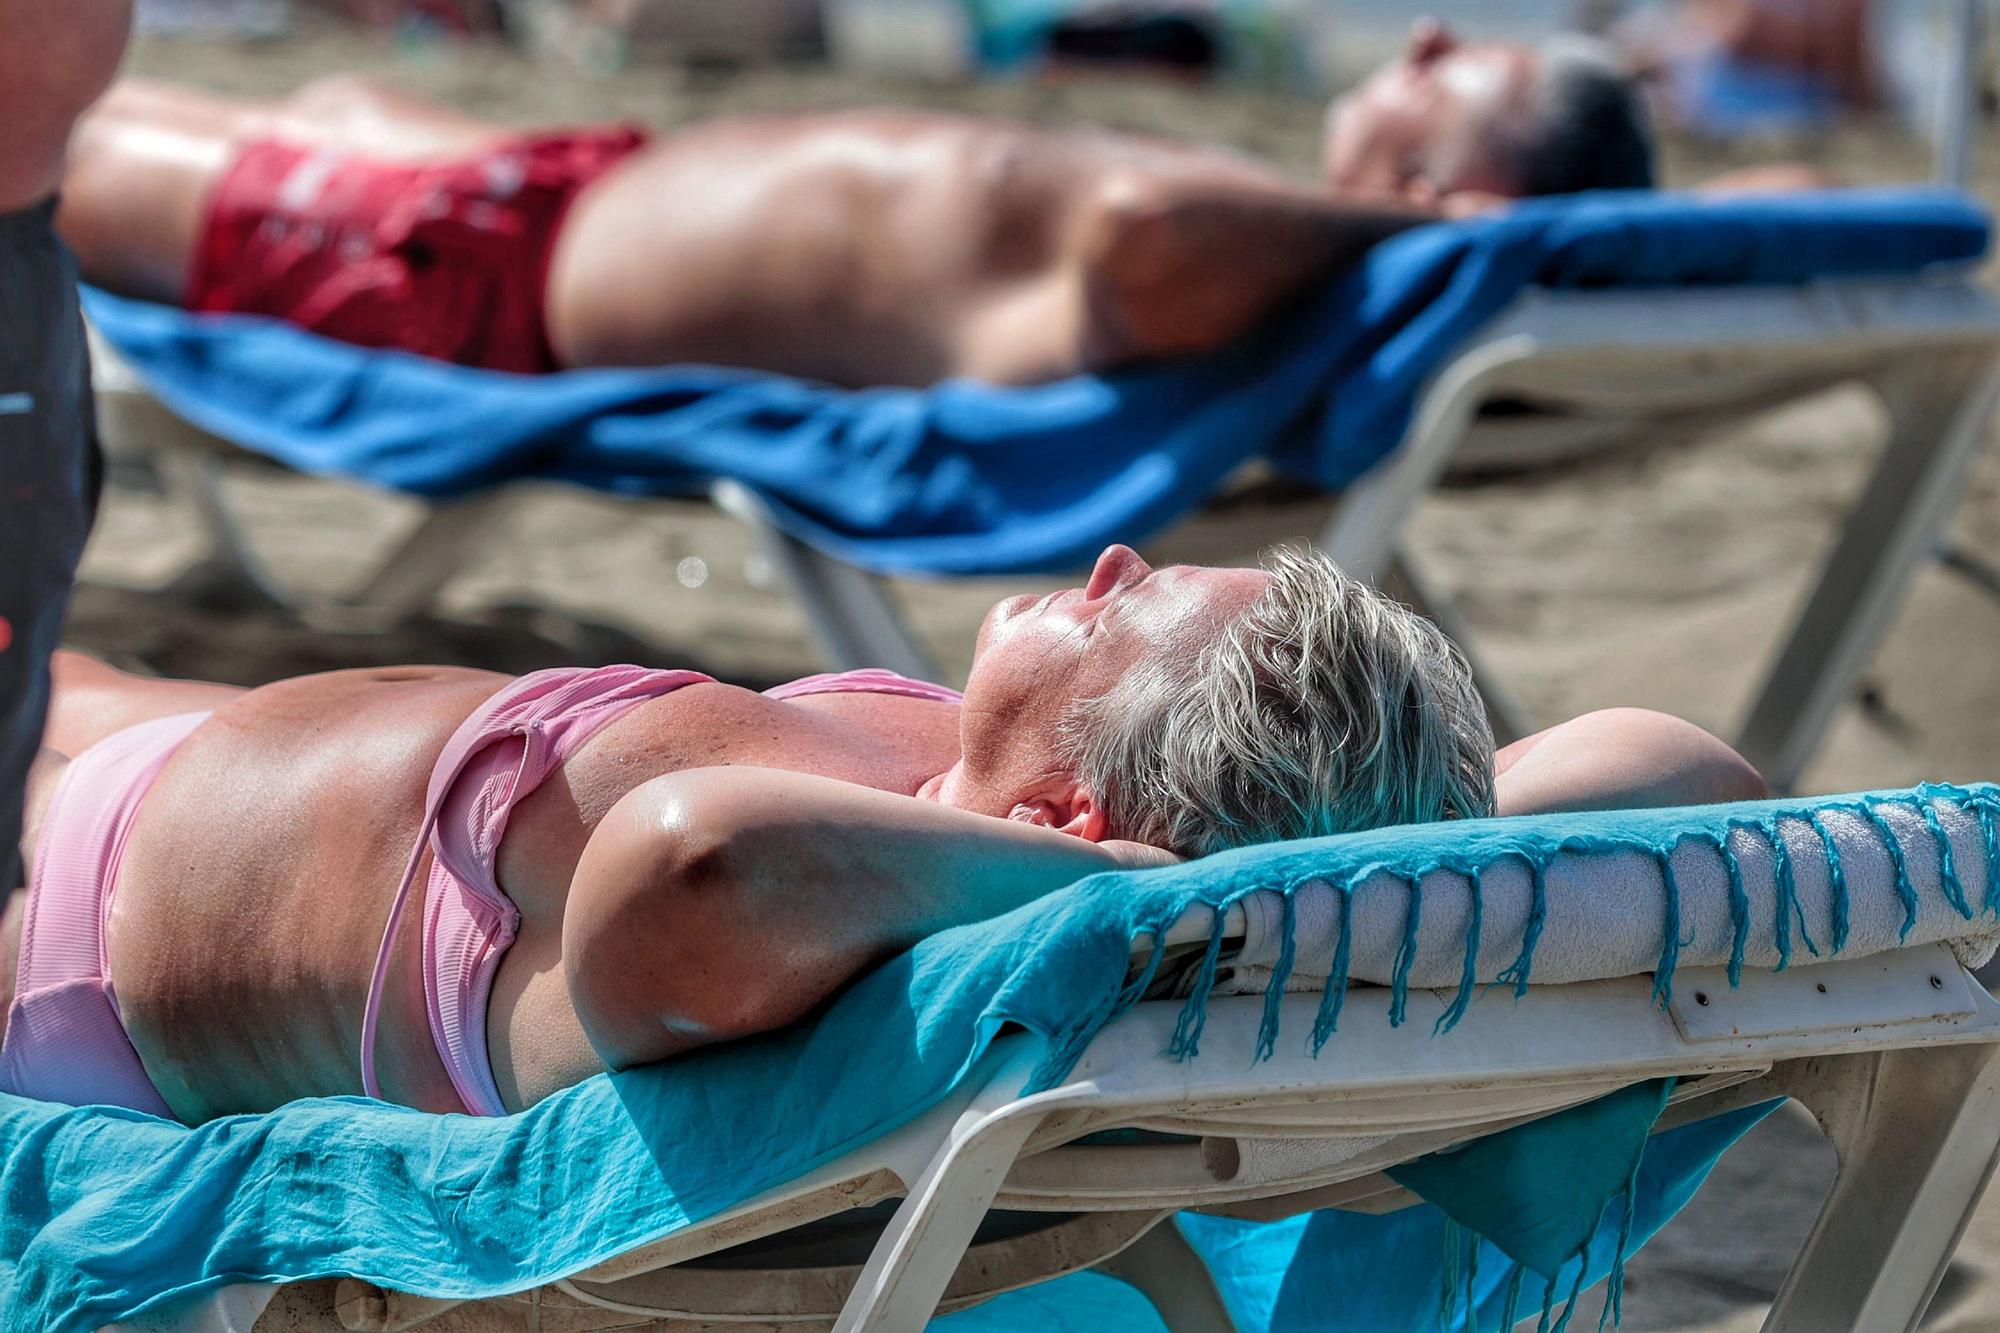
(500, 754)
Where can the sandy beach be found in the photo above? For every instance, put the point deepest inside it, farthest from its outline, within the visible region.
(1660, 577)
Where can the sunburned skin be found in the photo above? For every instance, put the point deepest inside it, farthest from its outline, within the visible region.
(711, 864)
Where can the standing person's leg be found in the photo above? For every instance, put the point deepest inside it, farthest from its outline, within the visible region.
(48, 486)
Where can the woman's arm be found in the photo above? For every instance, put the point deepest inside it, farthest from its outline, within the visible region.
(715, 903)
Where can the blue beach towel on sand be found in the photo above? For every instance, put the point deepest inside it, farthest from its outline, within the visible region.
(108, 1213)
(967, 478)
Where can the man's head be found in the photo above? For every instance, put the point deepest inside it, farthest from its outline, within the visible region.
(1458, 126)
(1196, 709)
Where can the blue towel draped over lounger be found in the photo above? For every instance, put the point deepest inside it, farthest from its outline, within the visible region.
(967, 478)
(105, 1213)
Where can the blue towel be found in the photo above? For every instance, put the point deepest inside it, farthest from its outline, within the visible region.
(966, 478)
(106, 1213)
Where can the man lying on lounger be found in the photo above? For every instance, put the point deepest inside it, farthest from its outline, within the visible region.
(879, 247)
(611, 866)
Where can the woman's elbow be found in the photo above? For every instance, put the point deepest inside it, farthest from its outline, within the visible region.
(668, 952)
(1694, 767)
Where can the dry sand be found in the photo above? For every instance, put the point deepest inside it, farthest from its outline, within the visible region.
(1659, 579)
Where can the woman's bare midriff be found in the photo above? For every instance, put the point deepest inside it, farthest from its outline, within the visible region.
(260, 869)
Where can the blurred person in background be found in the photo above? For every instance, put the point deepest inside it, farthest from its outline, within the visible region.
(58, 55)
(1734, 68)
(858, 247)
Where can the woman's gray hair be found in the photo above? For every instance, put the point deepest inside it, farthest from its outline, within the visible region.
(1324, 708)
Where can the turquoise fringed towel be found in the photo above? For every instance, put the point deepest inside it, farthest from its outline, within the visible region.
(107, 1213)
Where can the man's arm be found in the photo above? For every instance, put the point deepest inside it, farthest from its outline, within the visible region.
(56, 56)
(716, 903)
(1182, 266)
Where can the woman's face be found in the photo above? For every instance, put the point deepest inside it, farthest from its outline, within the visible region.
(1035, 656)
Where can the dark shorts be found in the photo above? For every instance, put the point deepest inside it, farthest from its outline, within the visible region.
(48, 487)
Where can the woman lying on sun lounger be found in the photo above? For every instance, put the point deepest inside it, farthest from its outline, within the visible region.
(610, 866)
(863, 248)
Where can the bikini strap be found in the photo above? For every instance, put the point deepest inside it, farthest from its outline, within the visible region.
(867, 680)
(553, 712)
(371, 1009)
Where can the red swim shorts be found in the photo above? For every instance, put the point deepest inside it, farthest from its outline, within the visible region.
(447, 258)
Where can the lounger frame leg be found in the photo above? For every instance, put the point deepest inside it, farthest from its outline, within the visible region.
(852, 617)
(1917, 1131)
(230, 559)
(1938, 408)
(404, 585)
(1170, 1274)
(905, 1277)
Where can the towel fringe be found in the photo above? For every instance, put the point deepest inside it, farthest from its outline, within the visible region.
(1905, 890)
(1948, 881)
(1789, 907)
(1982, 804)
(1614, 1303)
(1471, 1279)
(1281, 973)
(1670, 929)
(1739, 907)
(1836, 879)
(1469, 974)
(1327, 1021)
(1511, 1304)
(1406, 953)
(1451, 1248)
(1186, 1042)
(1531, 932)
(1989, 838)
(1575, 1289)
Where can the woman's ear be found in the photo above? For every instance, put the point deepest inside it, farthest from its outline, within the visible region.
(1074, 811)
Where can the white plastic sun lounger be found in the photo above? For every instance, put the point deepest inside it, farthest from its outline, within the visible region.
(1600, 366)
(1893, 1052)
(1635, 362)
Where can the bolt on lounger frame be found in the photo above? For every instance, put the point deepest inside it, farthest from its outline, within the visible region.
(1637, 362)
(1895, 1055)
